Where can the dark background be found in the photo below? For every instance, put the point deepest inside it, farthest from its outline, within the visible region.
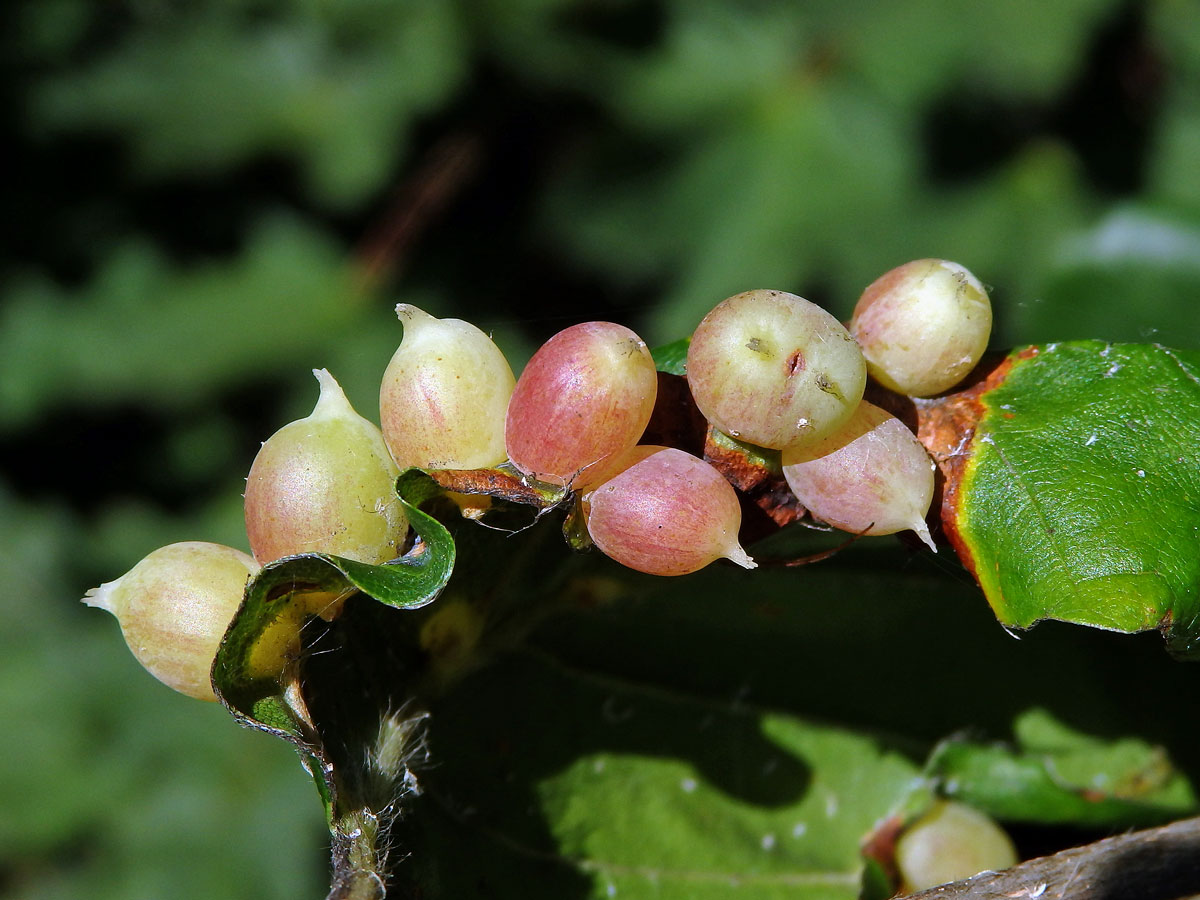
(204, 201)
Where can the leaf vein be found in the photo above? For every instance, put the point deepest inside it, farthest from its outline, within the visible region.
(1191, 375)
(1037, 506)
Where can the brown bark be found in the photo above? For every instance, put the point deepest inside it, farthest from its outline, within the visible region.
(1155, 864)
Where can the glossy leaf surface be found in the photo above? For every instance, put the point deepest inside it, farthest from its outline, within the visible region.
(253, 664)
(1080, 497)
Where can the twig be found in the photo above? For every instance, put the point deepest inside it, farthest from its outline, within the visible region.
(448, 165)
(1155, 864)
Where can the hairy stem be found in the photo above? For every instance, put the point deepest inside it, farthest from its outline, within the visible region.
(357, 858)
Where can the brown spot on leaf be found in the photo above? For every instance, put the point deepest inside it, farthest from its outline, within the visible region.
(946, 426)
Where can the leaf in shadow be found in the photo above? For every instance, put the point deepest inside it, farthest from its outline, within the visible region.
(614, 788)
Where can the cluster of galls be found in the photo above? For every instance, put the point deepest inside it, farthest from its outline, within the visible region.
(766, 367)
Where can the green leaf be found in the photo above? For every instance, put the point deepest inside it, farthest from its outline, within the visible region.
(1081, 497)
(719, 736)
(574, 784)
(291, 280)
(1031, 53)
(696, 696)
(337, 88)
(342, 659)
(1055, 774)
(254, 666)
(672, 358)
(1132, 275)
(342, 691)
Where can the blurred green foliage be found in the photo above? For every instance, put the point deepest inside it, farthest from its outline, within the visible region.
(207, 200)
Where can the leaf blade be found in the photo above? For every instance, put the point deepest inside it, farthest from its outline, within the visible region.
(253, 664)
(1054, 774)
(1081, 498)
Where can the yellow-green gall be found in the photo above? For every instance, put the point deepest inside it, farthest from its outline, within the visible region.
(444, 394)
(950, 842)
(325, 484)
(174, 607)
